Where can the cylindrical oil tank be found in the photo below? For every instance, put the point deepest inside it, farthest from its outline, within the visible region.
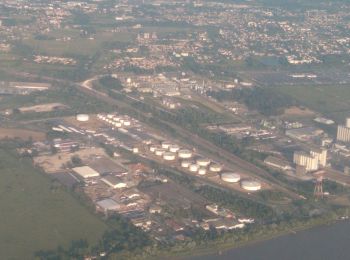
(174, 148)
(83, 117)
(169, 156)
(127, 123)
(152, 148)
(185, 154)
(251, 185)
(215, 167)
(166, 144)
(185, 163)
(193, 168)
(204, 162)
(230, 177)
(202, 171)
(160, 151)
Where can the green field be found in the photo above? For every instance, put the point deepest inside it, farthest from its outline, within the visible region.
(77, 45)
(35, 215)
(332, 101)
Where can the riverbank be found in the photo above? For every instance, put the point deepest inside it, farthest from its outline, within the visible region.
(321, 243)
(253, 236)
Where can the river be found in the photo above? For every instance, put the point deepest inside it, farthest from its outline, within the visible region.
(321, 243)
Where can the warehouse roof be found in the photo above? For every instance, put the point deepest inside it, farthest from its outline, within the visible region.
(86, 172)
(114, 181)
(108, 204)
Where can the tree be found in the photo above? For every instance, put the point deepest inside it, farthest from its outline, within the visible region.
(76, 161)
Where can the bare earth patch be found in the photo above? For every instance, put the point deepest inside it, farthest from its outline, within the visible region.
(43, 108)
(21, 133)
(54, 163)
(298, 111)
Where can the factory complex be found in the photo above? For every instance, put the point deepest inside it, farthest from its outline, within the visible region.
(119, 183)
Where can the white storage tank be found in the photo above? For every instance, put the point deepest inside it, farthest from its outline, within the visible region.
(202, 171)
(166, 145)
(251, 185)
(204, 162)
(194, 168)
(83, 117)
(126, 123)
(174, 148)
(169, 156)
(160, 151)
(110, 116)
(185, 163)
(215, 167)
(230, 177)
(185, 154)
(152, 148)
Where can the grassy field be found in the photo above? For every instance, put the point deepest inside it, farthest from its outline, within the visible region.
(75, 100)
(34, 215)
(77, 45)
(332, 101)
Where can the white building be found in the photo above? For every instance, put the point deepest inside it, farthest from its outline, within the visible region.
(85, 172)
(114, 182)
(343, 133)
(321, 155)
(307, 160)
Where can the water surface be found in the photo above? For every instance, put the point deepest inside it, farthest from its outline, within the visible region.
(322, 243)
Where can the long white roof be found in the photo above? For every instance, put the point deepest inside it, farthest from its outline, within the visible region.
(86, 172)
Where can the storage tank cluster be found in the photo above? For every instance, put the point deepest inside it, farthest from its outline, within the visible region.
(170, 152)
(248, 185)
(115, 120)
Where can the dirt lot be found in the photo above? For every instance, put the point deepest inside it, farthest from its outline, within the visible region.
(22, 134)
(53, 163)
(299, 112)
(43, 108)
(175, 195)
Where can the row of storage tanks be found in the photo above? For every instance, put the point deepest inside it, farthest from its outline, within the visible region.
(115, 120)
(170, 152)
